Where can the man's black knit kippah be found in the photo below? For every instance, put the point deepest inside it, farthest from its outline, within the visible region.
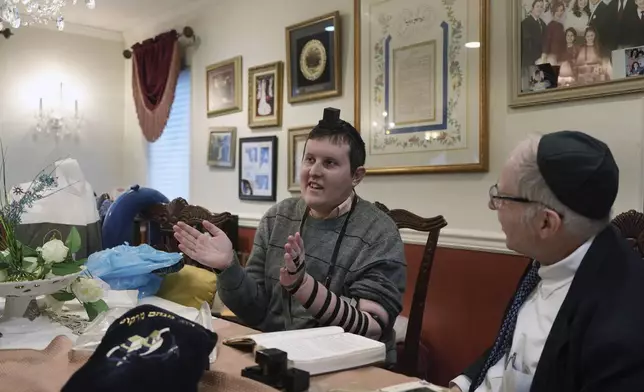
(581, 171)
(147, 349)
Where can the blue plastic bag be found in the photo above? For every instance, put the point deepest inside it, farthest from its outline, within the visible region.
(126, 267)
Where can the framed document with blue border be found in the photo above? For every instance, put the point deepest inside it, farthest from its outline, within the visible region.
(421, 98)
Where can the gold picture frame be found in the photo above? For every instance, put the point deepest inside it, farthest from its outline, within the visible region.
(224, 87)
(296, 140)
(314, 58)
(265, 89)
(222, 145)
(399, 140)
(609, 64)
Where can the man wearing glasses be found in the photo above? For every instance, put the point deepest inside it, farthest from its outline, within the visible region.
(576, 321)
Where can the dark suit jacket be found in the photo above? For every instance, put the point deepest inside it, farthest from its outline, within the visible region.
(616, 21)
(532, 34)
(596, 343)
(602, 23)
(633, 27)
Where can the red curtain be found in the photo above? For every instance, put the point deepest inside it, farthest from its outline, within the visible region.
(155, 69)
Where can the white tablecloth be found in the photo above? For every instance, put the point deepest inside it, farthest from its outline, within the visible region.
(37, 334)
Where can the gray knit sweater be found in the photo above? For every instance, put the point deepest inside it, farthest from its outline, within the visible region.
(370, 265)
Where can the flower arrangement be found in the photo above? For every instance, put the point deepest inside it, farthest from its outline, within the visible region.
(56, 258)
(20, 263)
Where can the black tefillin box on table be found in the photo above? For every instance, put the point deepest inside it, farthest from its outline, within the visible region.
(272, 370)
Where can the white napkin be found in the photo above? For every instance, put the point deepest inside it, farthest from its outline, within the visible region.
(20, 333)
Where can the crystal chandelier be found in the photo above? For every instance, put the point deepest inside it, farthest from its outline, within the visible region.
(16, 13)
(55, 122)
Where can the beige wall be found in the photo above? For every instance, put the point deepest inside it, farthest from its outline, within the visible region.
(234, 27)
(33, 62)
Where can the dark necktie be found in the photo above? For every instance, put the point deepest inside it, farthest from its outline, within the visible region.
(503, 341)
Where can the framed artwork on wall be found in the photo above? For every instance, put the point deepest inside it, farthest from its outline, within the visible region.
(572, 50)
(421, 85)
(221, 147)
(265, 95)
(313, 53)
(258, 168)
(296, 141)
(223, 87)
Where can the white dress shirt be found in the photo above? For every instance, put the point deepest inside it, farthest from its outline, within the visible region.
(592, 8)
(534, 321)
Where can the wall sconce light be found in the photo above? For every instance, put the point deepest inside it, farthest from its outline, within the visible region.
(56, 121)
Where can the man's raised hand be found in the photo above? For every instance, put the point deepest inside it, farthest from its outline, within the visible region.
(212, 248)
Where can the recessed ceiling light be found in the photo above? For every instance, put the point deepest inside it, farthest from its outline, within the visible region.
(329, 28)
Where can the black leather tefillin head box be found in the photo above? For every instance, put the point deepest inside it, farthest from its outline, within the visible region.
(272, 370)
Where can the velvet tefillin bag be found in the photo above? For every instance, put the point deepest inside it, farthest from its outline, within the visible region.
(147, 349)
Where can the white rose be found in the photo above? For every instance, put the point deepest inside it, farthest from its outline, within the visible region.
(54, 251)
(87, 290)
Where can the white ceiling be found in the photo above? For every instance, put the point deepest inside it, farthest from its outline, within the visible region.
(123, 15)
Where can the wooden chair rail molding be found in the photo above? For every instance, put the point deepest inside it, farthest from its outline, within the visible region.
(453, 238)
(409, 358)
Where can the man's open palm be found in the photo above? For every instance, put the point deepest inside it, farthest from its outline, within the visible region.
(212, 248)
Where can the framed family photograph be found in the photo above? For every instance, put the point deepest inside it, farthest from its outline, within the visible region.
(224, 87)
(563, 50)
(221, 147)
(634, 61)
(265, 95)
(421, 84)
(297, 138)
(258, 168)
(313, 53)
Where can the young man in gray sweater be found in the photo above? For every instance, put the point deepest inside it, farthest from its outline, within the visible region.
(327, 258)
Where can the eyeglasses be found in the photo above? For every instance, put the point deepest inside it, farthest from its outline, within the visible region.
(495, 200)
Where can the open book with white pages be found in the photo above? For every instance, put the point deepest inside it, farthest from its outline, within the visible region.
(317, 350)
(412, 386)
(415, 386)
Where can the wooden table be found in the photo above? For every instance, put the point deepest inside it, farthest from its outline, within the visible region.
(232, 361)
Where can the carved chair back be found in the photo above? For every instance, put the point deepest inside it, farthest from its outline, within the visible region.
(631, 225)
(155, 225)
(408, 361)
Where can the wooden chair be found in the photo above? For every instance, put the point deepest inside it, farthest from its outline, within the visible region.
(408, 359)
(154, 225)
(631, 225)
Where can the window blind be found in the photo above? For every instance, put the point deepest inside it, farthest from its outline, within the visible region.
(169, 156)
